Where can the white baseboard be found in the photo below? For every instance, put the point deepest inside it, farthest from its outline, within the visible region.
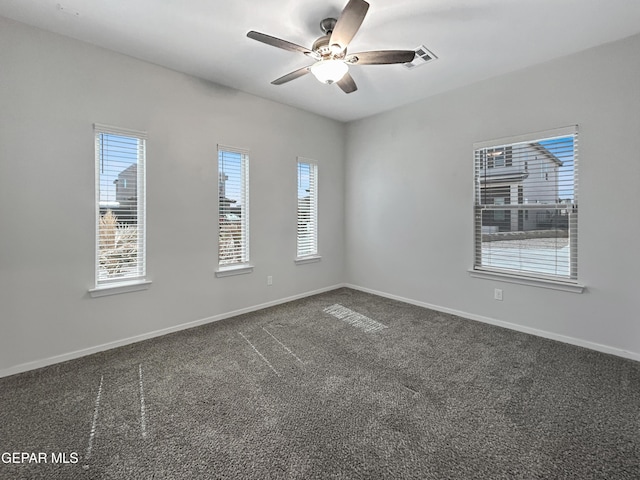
(511, 326)
(25, 367)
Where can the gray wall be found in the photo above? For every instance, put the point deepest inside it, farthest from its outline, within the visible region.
(52, 90)
(403, 228)
(409, 184)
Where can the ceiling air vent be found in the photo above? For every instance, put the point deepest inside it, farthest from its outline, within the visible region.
(423, 55)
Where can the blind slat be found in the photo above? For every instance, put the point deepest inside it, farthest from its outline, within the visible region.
(526, 197)
(120, 203)
(307, 230)
(233, 206)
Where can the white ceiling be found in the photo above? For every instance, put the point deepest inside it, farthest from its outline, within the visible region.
(474, 40)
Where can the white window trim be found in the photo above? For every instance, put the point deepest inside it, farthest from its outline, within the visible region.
(568, 285)
(229, 270)
(118, 288)
(308, 259)
(232, 270)
(127, 285)
(528, 137)
(314, 256)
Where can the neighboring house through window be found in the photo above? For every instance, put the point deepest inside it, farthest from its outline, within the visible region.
(233, 208)
(307, 234)
(120, 206)
(526, 206)
(498, 157)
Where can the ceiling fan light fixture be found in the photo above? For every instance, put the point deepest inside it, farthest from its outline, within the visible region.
(329, 71)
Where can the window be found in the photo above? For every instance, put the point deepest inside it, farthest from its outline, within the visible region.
(498, 157)
(120, 206)
(233, 207)
(526, 216)
(307, 208)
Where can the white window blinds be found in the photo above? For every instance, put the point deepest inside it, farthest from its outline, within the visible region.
(526, 205)
(233, 206)
(120, 205)
(307, 208)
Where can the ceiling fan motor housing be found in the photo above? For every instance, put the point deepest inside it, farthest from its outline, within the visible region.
(322, 46)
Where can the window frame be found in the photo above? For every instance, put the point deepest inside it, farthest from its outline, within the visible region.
(243, 266)
(126, 283)
(303, 256)
(568, 283)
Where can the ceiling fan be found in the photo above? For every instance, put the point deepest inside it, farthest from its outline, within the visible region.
(330, 51)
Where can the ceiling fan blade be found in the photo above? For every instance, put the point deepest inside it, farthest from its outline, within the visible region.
(291, 76)
(348, 23)
(278, 42)
(347, 84)
(381, 57)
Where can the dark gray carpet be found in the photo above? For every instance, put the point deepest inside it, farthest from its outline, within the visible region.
(295, 392)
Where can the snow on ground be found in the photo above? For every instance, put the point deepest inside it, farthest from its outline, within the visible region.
(549, 256)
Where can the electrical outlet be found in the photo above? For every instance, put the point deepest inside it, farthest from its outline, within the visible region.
(497, 294)
(269, 280)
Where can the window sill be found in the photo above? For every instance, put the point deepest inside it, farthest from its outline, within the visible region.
(530, 281)
(118, 288)
(233, 270)
(309, 259)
